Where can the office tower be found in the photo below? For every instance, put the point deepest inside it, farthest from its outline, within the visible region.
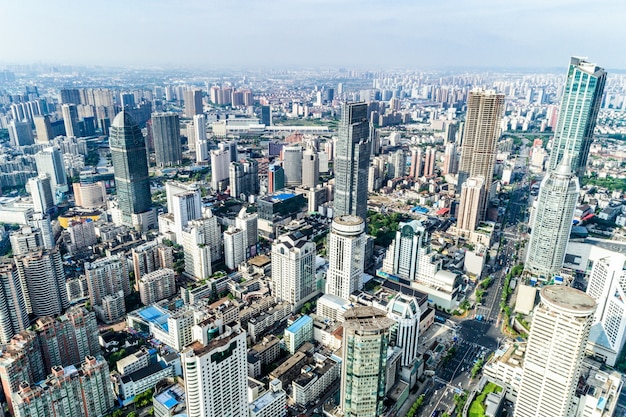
(90, 196)
(395, 167)
(450, 160)
(352, 161)
(244, 178)
(405, 311)
(70, 120)
(50, 161)
(82, 234)
(266, 115)
(202, 245)
(43, 129)
(43, 279)
(480, 136)
(220, 162)
(149, 257)
(552, 221)
(248, 222)
(310, 168)
(366, 334)
(40, 190)
(70, 96)
(472, 192)
(608, 333)
(157, 286)
(184, 202)
(292, 164)
(78, 392)
(130, 166)
(234, 247)
(25, 240)
(216, 372)
(21, 361)
(41, 223)
(293, 268)
(202, 145)
(555, 350)
(168, 149)
(193, 102)
(20, 133)
(346, 256)
(582, 97)
(66, 340)
(231, 148)
(13, 314)
(416, 163)
(275, 178)
(407, 250)
(107, 276)
(429, 162)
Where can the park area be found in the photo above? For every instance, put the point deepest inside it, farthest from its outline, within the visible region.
(477, 408)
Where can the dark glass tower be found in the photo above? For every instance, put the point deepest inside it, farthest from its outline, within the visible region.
(352, 161)
(166, 136)
(130, 165)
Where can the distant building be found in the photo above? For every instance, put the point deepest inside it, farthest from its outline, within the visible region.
(50, 161)
(472, 196)
(193, 102)
(166, 136)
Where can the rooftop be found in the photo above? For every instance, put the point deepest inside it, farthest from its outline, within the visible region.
(569, 299)
(299, 324)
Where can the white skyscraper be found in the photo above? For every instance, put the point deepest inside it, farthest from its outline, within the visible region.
(234, 247)
(292, 164)
(552, 221)
(346, 256)
(202, 146)
(50, 161)
(13, 314)
(40, 190)
(220, 161)
(405, 311)
(293, 268)
(554, 353)
(216, 372)
(185, 203)
(248, 222)
(202, 244)
(472, 195)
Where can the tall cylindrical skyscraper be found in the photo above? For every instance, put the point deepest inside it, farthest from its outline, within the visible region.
(346, 256)
(552, 222)
(554, 353)
(292, 164)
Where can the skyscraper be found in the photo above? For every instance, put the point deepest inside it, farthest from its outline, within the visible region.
(40, 190)
(50, 161)
(346, 256)
(275, 178)
(130, 166)
(450, 160)
(184, 202)
(43, 128)
(193, 102)
(107, 276)
(472, 192)
(293, 268)
(216, 372)
(244, 178)
(555, 350)
(292, 164)
(70, 120)
(405, 311)
(366, 334)
(248, 222)
(310, 168)
(266, 115)
(352, 161)
(416, 163)
(199, 129)
(482, 129)
(220, 161)
(166, 136)
(20, 133)
(552, 221)
(234, 247)
(580, 104)
(13, 314)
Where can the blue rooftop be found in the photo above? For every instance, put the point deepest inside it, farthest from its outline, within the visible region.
(153, 314)
(298, 324)
(282, 196)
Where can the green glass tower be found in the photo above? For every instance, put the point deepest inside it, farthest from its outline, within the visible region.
(580, 104)
(130, 166)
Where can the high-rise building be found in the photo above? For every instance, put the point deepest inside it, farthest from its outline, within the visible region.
(202, 244)
(346, 256)
(70, 96)
(199, 129)
(293, 268)
(157, 285)
(70, 120)
(352, 161)
(472, 192)
(266, 115)
(552, 221)
(168, 148)
(244, 178)
(40, 190)
(43, 129)
(450, 160)
(429, 162)
(41, 222)
(416, 163)
(292, 164)
(13, 314)
(184, 202)
(248, 222)
(50, 161)
(90, 196)
(403, 255)
(480, 136)
(43, 279)
(25, 240)
(234, 247)
(275, 178)
(20, 133)
(396, 164)
(582, 97)
(216, 372)
(107, 276)
(220, 161)
(130, 166)
(310, 168)
(554, 352)
(149, 257)
(366, 335)
(193, 102)
(405, 311)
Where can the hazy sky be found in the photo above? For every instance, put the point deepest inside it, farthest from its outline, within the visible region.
(320, 33)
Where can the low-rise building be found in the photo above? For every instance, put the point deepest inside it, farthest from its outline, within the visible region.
(298, 333)
(272, 403)
(316, 379)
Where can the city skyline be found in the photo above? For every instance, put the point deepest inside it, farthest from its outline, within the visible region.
(403, 34)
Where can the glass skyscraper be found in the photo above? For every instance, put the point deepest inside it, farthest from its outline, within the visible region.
(352, 161)
(580, 104)
(130, 166)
